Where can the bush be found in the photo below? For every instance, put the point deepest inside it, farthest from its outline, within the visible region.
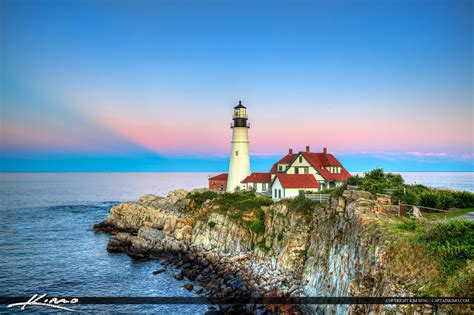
(452, 242)
(408, 225)
(355, 180)
(410, 198)
(211, 224)
(376, 181)
(280, 236)
(240, 200)
(263, 247)
(302, 204)
(258, 225)
(200, 197)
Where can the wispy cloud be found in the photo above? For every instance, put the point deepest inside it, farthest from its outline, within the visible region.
(467, 156)
(424, 154)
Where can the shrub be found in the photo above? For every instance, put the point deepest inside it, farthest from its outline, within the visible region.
(258, 225)
(407, 225)
(355, 180)
(429, 199)
(453, 242)
(263, 247)
(280, 236)
(211, 224)
(200, 197)
(302, 204)
(376, 181)
(242, 200)
(410, 198)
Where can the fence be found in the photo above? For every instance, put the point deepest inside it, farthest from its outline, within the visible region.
(319, 197)
(406, 209)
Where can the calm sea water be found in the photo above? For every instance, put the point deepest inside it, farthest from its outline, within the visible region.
(47, 245)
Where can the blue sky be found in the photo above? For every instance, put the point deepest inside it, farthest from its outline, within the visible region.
(150, 85)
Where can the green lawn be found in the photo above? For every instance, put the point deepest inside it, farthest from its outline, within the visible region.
(447, 215)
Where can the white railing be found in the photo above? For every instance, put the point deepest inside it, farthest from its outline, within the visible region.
(352, 187)
(319, 197)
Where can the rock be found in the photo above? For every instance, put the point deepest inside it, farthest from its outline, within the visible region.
(188, 286)
(383, 199)
(116, 245)
(149, 199)
(357, 194)
(179, 276)
(198, 289)
(157, 272)
(227, 291)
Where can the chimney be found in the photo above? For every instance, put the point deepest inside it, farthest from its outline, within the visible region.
(307, 149)
(325, 150)
(290, 151)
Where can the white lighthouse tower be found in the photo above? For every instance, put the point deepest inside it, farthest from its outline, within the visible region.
(239, 167)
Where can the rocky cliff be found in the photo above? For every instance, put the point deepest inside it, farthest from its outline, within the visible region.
(330, 250)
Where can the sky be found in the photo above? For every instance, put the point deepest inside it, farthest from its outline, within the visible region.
(151, 85)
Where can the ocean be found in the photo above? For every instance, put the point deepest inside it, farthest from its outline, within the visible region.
(47, 244)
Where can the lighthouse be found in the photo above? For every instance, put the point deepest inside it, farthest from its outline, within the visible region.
(239, 166)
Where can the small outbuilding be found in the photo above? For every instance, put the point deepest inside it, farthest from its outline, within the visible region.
(291, 185)
(218, 182)
(261, 182)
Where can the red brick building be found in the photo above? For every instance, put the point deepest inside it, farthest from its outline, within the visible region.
(218, 182)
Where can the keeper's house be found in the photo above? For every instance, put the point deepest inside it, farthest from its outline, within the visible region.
(293, 174)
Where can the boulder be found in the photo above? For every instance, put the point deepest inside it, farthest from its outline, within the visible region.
(357, 194)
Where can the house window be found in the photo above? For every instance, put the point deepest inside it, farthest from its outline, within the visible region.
(300, 159)
(301, 192)
(279, 193)
(236, 153)
(275, 192)
(306, 170)
(280, 168)
(264, 186)
(297, 171)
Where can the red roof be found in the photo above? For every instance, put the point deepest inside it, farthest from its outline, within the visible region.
(258, 178)
(298, 181)
(319, 160)
(287, 159)
(222, 176)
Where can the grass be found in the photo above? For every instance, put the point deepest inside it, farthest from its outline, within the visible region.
(236, 205)
(431, 259)
(447, 215)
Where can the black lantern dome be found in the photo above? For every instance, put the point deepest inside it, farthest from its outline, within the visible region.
(240, 116)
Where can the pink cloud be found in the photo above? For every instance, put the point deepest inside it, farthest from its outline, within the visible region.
(467, 156)
(433, 154)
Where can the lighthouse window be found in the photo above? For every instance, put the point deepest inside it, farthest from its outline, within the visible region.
(236, 153)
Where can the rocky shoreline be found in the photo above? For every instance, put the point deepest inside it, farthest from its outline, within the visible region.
(207, 273)
(328, 251)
